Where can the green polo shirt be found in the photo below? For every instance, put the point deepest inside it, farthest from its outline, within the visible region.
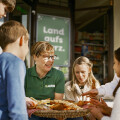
(46, 87)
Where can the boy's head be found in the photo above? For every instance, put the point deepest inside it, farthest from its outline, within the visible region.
(10, 31)
(6, 6)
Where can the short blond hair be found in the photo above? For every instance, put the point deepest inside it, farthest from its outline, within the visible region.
(10, 4)
(10, 31)
(41, 47)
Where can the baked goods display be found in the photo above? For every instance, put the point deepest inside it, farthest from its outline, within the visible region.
(58, 109)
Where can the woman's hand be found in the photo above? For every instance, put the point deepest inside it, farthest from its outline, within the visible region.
(95, 112)
(103, 107)
(91, 93)
(30, 103)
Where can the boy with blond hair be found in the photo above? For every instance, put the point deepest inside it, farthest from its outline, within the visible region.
(14, 42)
(6, 6)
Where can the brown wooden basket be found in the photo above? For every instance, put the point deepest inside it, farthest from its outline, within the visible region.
(61, 114)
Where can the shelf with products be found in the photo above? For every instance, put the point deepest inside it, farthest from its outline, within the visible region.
(92, 45)
(99, 36)
(89, 48)
(95, 57)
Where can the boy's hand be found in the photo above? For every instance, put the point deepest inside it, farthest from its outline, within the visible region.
(91, 93)
(30, 103)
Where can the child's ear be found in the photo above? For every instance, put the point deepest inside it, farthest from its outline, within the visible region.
(21, 40)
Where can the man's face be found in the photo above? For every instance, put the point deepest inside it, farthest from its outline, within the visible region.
(3, 10)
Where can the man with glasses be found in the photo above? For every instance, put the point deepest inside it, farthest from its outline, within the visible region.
(43, 81)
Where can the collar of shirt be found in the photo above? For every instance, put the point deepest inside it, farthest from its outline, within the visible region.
(34, 73)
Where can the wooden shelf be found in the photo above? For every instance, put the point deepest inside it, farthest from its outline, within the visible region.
(94, 59)
(96, 65)
(90, 44)
(91, 40)
(91, 51)
(77, 52)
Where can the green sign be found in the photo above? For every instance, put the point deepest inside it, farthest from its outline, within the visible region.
(23, 11)
(56, 31)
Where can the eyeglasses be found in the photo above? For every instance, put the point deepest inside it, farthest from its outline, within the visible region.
(48, 57)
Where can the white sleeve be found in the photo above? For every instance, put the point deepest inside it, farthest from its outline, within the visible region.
(115, 115)
(105, 118)
(107, 90)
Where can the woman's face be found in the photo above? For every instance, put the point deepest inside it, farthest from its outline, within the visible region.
(116, 67)
(3, 9)
(45, 61)
(81, 72)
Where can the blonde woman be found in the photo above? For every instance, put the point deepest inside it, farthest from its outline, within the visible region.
(82, 81)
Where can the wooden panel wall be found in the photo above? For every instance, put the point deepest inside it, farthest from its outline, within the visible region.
(116, 24)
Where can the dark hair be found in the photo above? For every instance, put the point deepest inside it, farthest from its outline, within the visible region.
(117, 54)
(116, 88)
